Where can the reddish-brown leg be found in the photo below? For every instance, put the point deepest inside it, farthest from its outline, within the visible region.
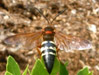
(38, 50)
(57, 50)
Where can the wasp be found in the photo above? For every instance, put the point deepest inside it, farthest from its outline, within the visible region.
(49, 41)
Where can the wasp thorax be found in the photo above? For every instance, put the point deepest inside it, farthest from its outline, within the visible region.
(48, 33)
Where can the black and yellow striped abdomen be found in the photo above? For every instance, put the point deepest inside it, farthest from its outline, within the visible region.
(48, 50)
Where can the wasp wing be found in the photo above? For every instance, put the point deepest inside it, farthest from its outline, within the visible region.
(70, 43)
(25, 40)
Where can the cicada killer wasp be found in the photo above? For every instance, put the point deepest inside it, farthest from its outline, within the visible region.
(50, 41)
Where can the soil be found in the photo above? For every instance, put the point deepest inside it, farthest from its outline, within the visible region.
(81, 19)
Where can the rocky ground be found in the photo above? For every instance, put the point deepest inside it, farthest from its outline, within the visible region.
(81, 19)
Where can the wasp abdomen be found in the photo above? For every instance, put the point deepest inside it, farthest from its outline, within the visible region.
(48, 53)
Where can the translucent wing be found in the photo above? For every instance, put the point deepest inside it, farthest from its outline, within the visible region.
(25, 40)
(70, 43)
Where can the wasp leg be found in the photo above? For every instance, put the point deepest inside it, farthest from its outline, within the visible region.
(57, 50)
(38, 50)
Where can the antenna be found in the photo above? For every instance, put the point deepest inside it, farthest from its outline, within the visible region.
(42, 14)
(53, 18)
(58, 15)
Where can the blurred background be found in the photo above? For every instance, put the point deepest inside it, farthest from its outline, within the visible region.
(80, 19)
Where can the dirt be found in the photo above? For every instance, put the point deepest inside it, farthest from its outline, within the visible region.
(81, 19)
